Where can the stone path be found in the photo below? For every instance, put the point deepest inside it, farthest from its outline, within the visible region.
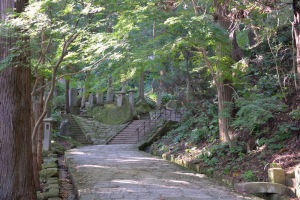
(122, 172)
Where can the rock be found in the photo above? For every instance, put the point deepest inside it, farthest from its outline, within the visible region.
(276, 175)
(261, 188)
(49, 165)
(39, 195)
(52, 181)
(47, 173)
(297, 177)
(50, 160)
(51, 193)
(50, 187)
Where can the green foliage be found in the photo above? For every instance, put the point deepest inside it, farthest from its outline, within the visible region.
(249, 176)
(165, 98)
(268, 84)
(256, 110)
(277, 141)
(295, 114)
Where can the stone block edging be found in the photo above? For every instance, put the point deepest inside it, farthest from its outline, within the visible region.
(219, 178)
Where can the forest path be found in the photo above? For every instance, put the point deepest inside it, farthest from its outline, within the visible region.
(122, 172)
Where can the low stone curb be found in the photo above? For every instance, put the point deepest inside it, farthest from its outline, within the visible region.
(219, 178)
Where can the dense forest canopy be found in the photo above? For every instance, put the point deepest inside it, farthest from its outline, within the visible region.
(234, 63)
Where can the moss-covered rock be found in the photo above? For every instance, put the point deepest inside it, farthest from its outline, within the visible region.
(111, 114)
(50, 160)
(48, 173)
(52, 180)
(51, 193)
(52, 186)
(49, 165)
(142, 107)
(58, 148)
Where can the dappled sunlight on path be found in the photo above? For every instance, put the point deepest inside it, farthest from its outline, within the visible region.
(123, 172)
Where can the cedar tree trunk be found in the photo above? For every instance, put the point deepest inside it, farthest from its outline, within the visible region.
(16, 169)
(296, 7)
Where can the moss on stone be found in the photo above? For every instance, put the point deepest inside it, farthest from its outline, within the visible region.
(58, 148)
(47, 173)
(52, 180)
(142, 107)
(51, 193)
(52, 186)
(111, 114)
(49, 165)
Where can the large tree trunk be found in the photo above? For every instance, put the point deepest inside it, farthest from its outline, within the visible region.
(67, 109)
(16, 168)
(225, 107)
(296, 7)
(141, 88)
(16, 174)
(223, 86)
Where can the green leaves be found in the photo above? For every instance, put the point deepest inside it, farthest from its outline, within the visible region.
(256, 110)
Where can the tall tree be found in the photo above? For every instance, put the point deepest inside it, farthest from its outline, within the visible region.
(16, 169)
(224, 86)
(296, 7)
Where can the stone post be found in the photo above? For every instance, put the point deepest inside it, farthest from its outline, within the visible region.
(158, 98)
(47, 133)
(73, 93)
(109, 95)
(99, 97)
(91, 100)
(120, 97)
(131, 97)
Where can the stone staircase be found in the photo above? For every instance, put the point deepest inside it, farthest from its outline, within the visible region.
(96, 132)
(130, 135)
(75, 130)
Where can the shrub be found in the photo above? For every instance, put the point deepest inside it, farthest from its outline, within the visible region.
(256, 111)
(249, 176)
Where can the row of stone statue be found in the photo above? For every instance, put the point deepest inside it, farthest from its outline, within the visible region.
(98, 99)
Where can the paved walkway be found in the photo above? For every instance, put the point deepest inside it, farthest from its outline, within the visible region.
(122, 172)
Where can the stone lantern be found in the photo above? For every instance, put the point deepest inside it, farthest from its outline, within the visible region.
(48, 123)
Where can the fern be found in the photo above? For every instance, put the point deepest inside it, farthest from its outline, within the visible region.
(256, 111)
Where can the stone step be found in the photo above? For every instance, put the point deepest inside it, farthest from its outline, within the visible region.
(125, 138)
(123, 142)
(129, 135)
